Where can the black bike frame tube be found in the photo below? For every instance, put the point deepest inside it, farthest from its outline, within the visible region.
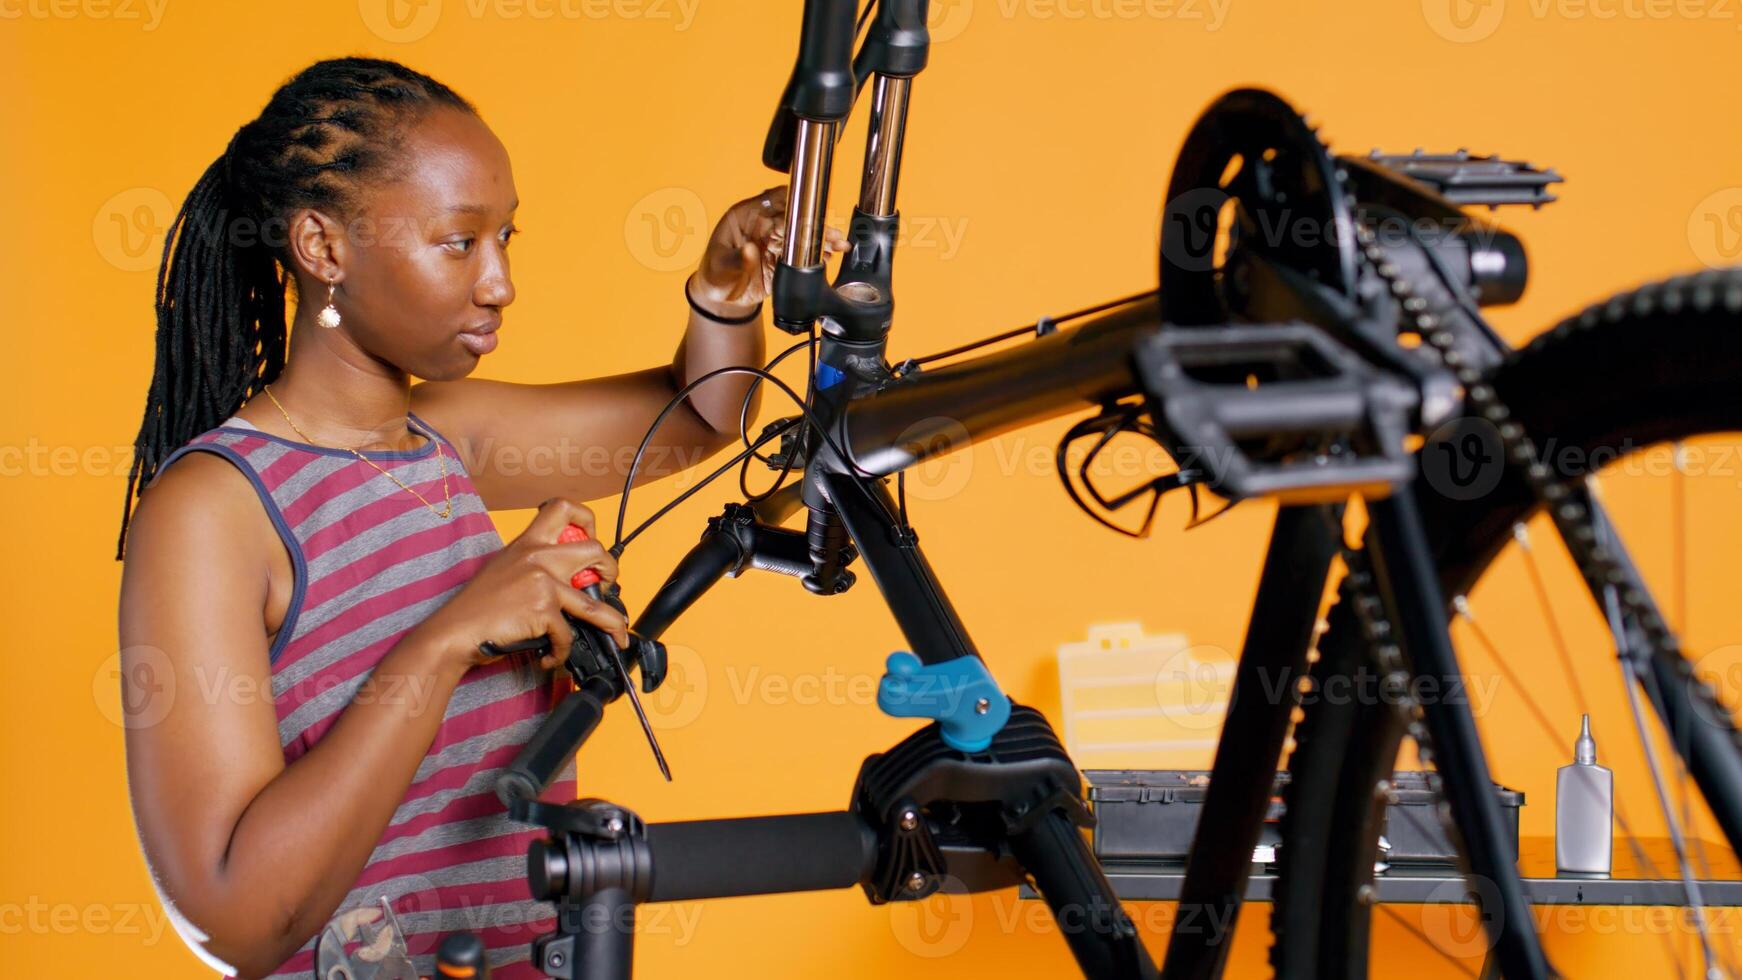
(910, 588)
(1290, 589)
(604, 929)
(1083, 903)
(945, 409)
(1405, 572)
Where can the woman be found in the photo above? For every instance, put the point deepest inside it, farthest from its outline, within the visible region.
(310, 585)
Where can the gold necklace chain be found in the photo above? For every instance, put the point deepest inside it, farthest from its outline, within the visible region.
(447, 501)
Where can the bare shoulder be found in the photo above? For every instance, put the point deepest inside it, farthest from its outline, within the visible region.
(196, 531)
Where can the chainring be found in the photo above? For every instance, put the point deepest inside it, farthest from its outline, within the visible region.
(1291, 206)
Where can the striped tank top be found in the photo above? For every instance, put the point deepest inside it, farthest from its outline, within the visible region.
(371, 562)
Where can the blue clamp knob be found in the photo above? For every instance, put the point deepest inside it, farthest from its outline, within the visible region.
(960, 694)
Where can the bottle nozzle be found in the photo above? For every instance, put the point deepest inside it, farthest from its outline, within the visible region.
(1585, 749)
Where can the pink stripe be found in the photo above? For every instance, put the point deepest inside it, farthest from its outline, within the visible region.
(472, 722)
(347, 477)
(420, 862)
(355, 474)
(285, 467)
(477, 805)
(361, 615)
(455, 776)
(407, 548)
(384, 509)
(423, 862)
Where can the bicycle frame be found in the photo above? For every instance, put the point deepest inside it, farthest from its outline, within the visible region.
(1017, 797)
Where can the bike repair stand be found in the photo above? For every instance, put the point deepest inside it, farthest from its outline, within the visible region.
(969, 802)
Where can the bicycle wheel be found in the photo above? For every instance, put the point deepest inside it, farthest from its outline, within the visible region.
(1659, 364)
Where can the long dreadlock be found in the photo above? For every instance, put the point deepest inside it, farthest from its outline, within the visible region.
(221, 330)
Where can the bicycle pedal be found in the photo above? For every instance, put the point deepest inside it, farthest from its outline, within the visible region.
(1276, 410)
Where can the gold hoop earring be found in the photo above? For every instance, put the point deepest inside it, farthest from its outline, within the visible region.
(329, 315)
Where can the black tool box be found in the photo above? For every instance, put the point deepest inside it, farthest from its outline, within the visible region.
(1148, 816)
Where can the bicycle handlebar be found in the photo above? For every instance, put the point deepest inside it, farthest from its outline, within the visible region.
(795, 852)
(556, 741)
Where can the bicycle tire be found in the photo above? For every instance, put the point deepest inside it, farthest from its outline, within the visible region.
(1654, 364)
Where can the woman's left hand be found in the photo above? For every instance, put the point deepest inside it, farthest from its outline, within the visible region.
(737, 270)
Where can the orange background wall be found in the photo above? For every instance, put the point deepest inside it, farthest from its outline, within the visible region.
(1040, 140)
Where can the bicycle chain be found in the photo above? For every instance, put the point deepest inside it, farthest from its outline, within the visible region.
(1573, 520)
(1600, 566)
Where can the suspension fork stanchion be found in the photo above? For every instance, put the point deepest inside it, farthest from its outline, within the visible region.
(1242, 780)
(1405, 572)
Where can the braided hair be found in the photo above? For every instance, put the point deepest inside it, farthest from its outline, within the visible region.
(221, 331)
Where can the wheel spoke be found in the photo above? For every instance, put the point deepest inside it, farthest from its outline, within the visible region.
(1625, 652)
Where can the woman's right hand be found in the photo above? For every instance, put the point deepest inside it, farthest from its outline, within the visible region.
(522, 592)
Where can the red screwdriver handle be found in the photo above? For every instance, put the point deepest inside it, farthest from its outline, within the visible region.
(586, 576)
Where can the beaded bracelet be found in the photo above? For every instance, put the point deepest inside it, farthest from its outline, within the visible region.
(746, 318)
